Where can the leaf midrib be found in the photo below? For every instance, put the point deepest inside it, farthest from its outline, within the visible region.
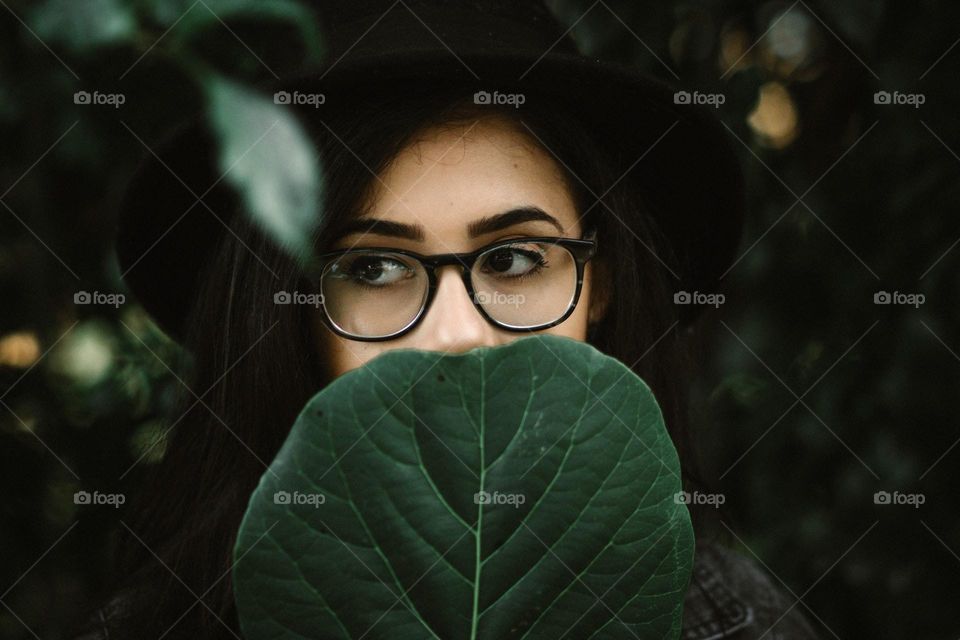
(478, 566)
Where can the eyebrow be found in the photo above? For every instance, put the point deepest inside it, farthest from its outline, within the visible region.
(487, 224)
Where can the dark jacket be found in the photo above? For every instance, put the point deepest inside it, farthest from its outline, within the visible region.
(729, 596)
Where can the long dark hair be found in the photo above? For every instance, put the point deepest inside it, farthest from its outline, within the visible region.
(260, 361)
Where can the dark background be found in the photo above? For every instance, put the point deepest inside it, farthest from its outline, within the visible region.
(810, 398)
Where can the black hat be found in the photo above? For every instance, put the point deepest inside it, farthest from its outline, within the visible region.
(680, 153)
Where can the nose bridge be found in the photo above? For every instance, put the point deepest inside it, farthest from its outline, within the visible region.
(453, 323)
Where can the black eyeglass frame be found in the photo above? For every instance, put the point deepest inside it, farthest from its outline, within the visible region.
(582, 250)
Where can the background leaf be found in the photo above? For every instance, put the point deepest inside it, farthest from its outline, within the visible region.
(523, 491)
(84, 25)
(267, 156)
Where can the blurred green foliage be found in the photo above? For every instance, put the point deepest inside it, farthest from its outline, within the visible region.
(810, 398)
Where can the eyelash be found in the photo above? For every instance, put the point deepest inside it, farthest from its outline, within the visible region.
(356, 279)
(540, 266)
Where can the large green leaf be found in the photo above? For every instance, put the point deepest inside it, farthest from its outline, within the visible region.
(369, 525)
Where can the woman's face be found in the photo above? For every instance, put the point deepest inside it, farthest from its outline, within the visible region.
(451, 178)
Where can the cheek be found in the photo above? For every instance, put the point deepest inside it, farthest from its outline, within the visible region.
(341, 355)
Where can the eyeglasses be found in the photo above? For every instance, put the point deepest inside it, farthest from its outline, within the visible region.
(519, 284)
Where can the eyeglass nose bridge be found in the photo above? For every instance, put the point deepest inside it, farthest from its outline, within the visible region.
(465, 262)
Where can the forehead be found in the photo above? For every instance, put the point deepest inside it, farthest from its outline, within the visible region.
(453, 174)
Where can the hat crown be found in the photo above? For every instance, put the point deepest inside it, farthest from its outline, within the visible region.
(358, 30)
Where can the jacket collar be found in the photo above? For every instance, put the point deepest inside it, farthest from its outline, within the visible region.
(711, 609)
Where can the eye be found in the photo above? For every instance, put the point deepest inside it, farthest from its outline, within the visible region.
(372, 270)
(513, 261)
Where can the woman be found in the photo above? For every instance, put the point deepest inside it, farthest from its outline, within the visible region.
(417, 159)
